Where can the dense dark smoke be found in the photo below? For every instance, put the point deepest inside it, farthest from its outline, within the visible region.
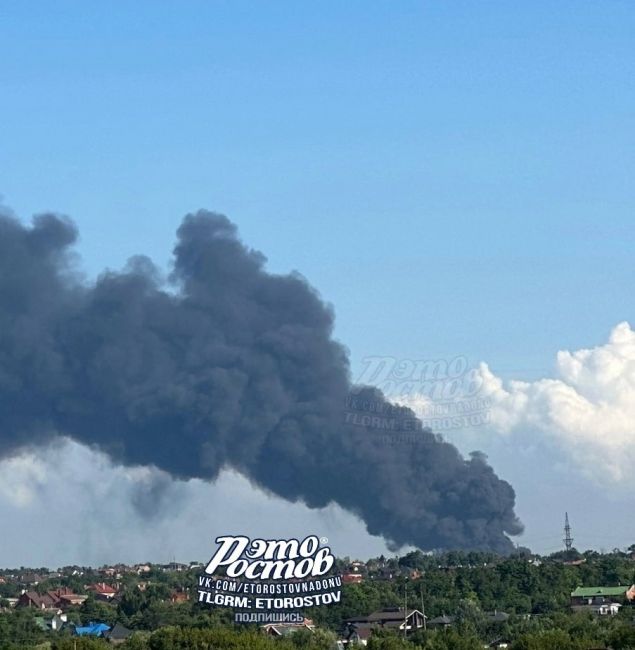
(222, 366)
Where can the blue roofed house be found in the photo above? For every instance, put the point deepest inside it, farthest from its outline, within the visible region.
(92, 629)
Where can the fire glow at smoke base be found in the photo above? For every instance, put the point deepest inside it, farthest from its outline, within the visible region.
(225, 365)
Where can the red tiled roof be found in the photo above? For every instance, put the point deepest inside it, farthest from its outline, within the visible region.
(102, 588)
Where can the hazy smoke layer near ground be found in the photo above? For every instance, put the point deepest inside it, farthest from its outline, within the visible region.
(223, 365)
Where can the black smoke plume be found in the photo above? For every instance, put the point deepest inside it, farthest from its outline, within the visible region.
(222, 365)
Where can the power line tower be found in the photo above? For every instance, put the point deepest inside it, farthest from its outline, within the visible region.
(568, 540)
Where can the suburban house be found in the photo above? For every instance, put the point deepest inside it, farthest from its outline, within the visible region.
(58, 599)
(360, 628)
(92, 629)
(496, 616)
(58, 622)
(54, 624)
(604, 601)
(67, 598)
(393, 618)
(441, 621)
(118, 634)
(31, 579)
(103, 591)
(36, 601)
(352, 578)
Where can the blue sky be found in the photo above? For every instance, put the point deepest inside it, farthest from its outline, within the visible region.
(455, 177)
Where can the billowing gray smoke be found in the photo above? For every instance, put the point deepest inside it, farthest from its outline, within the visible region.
(225, 365)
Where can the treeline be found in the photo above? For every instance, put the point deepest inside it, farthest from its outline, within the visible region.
(534, 592)
(514, 585)
(558, 633)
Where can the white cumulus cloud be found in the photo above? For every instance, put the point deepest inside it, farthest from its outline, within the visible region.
(587, 409)
(21, 478)
(91, 511)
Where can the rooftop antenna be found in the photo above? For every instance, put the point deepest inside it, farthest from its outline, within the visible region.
(568, 540)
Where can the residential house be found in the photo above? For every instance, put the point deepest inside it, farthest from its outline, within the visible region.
(92, 629)
(603, 601)
(396, 618)
(33, 600)
(497, 616)
(352, 578)
(58, 599)
(28, 579)
(118, 634)
(54, 624)
(69, 599)
(103, 591)
(386, 573)
(441, 621)
(58, 621)
(117, 571)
